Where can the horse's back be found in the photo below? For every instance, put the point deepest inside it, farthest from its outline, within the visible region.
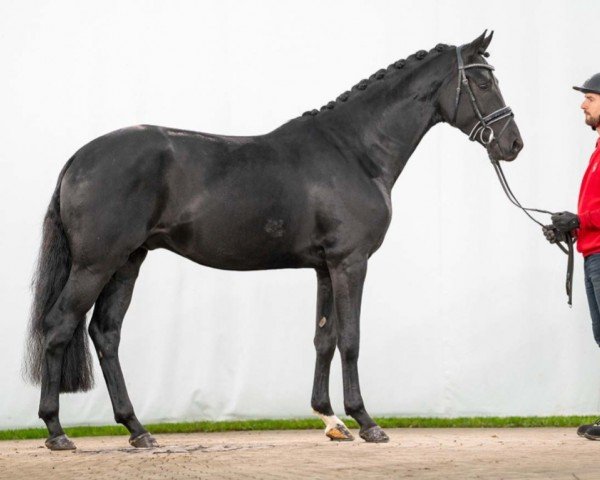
(229, 202)
(241, 203)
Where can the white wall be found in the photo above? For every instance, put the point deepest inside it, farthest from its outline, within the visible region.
(464, 309)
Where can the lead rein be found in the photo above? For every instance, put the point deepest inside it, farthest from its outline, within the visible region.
(568, 250)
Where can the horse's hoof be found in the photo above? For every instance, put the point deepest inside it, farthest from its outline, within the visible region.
(62, 442)
(145, 440)
(374, 435)
(339, 433)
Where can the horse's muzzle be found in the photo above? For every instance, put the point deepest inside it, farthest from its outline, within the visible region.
(502, 150)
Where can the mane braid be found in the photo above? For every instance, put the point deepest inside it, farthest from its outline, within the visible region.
(378, 75)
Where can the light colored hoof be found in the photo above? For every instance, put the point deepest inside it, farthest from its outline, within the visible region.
(339, 433)
(145, 440)
(62, 442)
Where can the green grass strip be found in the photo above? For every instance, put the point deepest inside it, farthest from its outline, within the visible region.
(310, 423)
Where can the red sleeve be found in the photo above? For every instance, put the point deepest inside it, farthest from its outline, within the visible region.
(590, 220)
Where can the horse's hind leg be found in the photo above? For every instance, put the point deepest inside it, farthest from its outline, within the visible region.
(105, 330)
(325, 343)
(75, 300)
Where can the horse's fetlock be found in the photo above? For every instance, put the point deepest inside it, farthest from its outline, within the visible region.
(47, 413)
(354, 408)
(322, 406)
(125, 416)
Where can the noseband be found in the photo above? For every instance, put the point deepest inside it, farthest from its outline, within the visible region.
(482, 128)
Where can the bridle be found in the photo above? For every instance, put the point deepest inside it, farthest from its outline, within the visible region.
(482, 126)
(483, 131)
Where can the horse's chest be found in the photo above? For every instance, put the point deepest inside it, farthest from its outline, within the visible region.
(354, 218)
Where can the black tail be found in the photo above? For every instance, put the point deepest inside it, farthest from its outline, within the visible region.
(51, 274)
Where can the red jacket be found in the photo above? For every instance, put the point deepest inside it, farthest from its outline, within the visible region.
(588, 209)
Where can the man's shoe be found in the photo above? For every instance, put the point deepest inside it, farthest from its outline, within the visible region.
(592, 433)
(582, 430)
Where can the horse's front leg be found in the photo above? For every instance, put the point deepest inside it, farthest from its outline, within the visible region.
(325, 342)
(347, 278)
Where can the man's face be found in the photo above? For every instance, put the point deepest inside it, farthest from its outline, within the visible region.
(591, 109)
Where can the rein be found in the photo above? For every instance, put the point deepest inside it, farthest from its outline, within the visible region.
(484, 132)
(568, 249)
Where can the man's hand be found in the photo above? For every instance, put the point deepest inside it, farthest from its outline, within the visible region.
(565, 221)
(552, 234)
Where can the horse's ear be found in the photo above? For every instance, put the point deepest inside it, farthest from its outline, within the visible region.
(480, 44)
(486, 42)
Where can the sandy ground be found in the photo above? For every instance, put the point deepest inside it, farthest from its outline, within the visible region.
(533, 453)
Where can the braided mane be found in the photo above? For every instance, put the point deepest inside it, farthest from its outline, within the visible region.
(378, 75)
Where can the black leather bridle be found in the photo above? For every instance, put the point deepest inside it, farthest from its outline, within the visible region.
(483, 125)
(483, 131)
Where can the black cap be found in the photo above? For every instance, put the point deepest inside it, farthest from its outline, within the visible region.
(591, 85)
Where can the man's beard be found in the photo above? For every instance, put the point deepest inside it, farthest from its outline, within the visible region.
(592, 121)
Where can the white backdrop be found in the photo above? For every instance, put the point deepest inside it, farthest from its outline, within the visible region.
(464, 310)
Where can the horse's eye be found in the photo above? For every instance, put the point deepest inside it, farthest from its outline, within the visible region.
(484, 86)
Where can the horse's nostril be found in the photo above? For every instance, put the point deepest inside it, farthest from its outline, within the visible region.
(517, 145)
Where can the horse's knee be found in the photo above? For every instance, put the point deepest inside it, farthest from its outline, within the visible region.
(325, 345)
(348, 351)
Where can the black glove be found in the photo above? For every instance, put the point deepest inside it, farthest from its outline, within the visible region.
(565, 221)
(552, 234)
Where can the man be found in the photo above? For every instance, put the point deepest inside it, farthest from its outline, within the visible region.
(586, 224)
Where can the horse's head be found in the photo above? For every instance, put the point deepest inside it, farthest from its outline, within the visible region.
(471, 101)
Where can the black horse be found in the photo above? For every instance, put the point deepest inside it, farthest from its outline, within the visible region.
(314, 193)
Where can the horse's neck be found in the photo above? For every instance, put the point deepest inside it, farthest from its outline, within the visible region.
(387, 133)
(390, 144)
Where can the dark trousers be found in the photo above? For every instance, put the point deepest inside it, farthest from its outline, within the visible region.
(591, 270)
